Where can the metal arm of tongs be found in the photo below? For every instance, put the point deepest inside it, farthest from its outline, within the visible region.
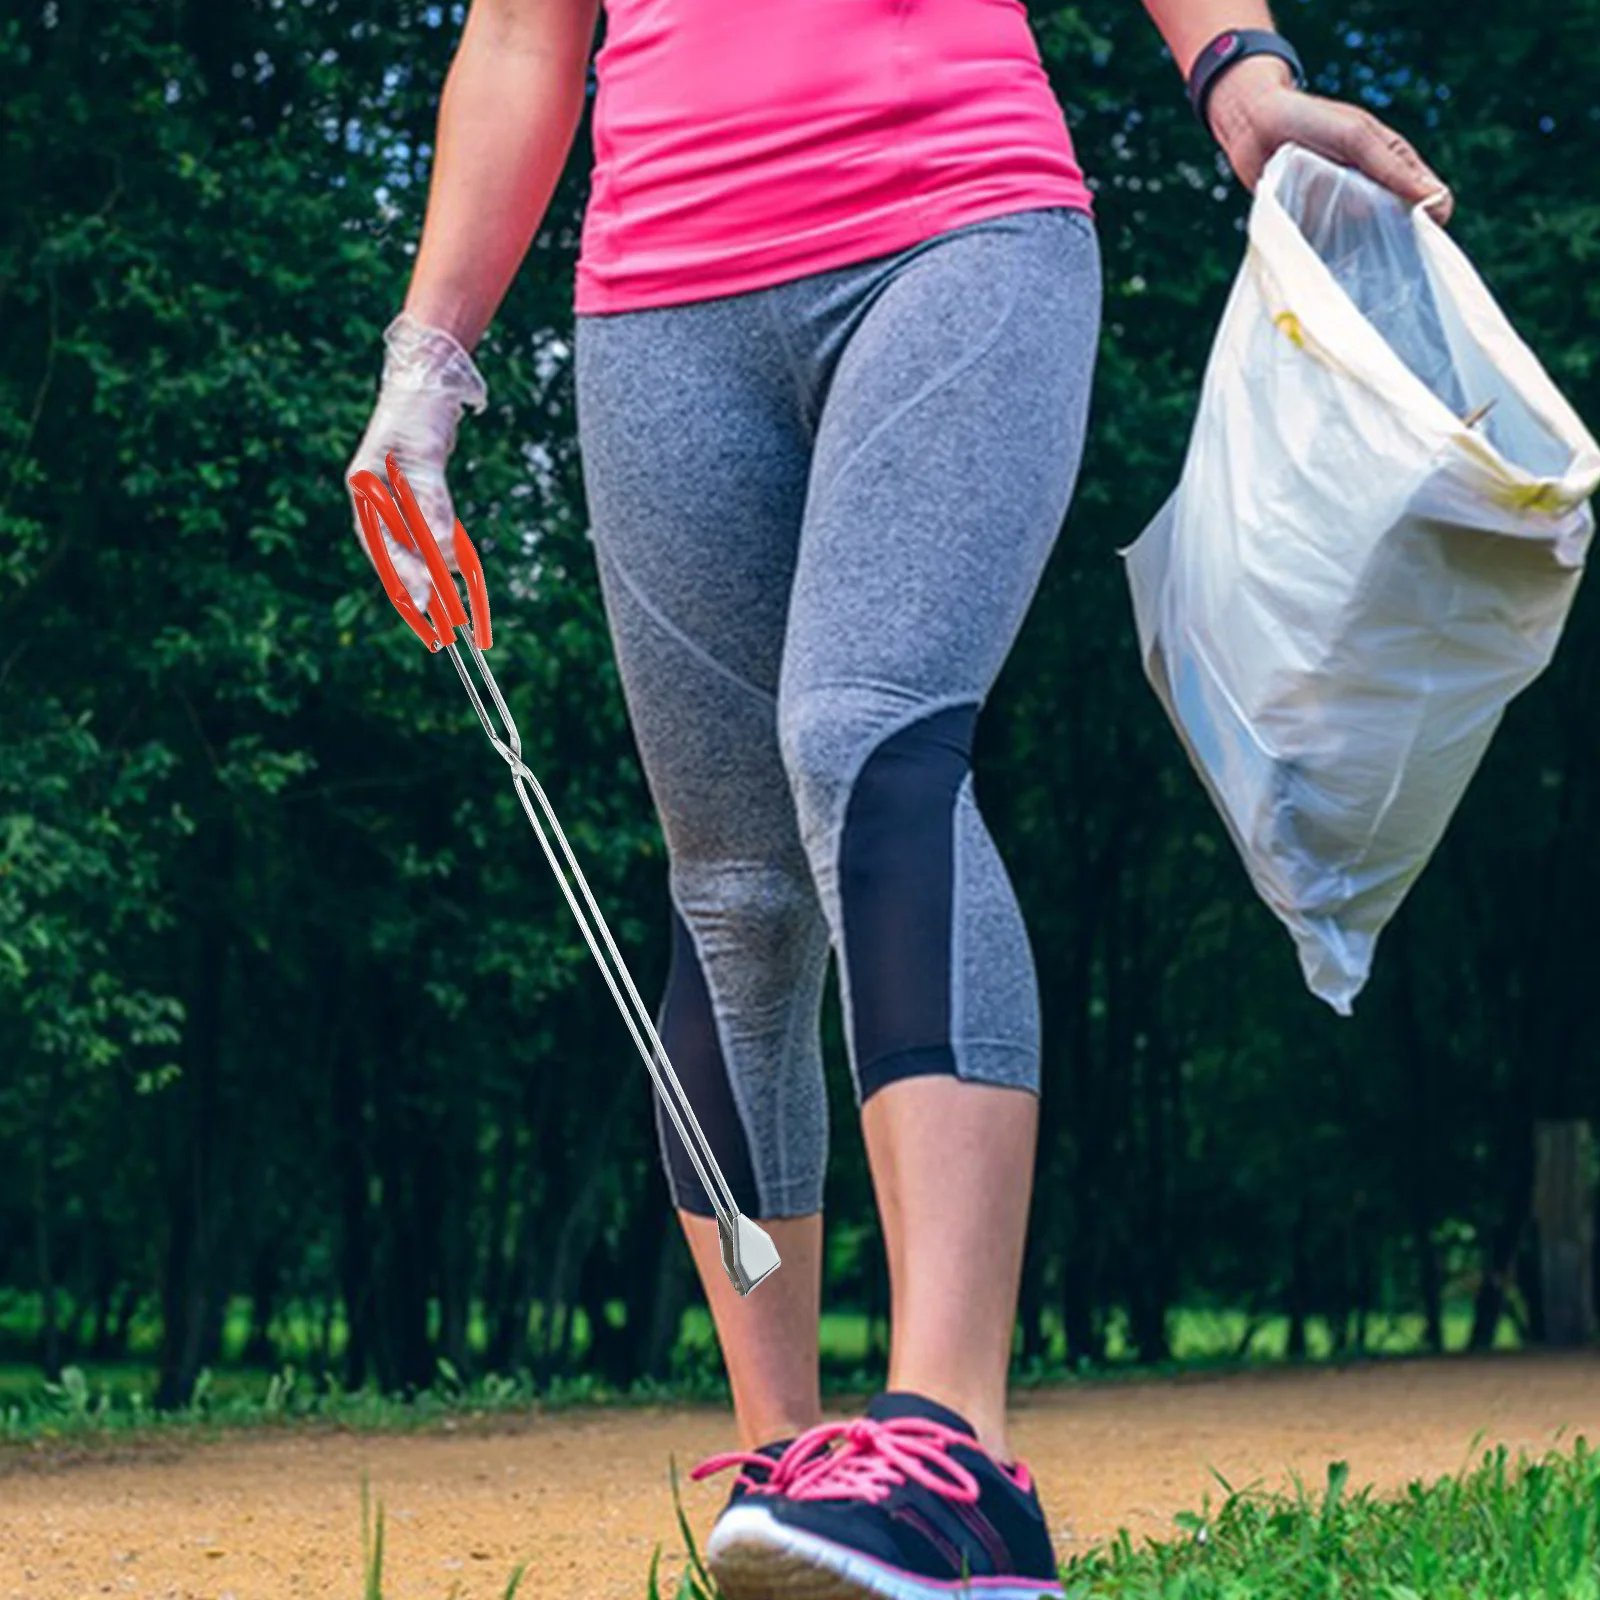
(748, 1254)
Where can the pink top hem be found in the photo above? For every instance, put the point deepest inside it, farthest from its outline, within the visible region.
(764, 266)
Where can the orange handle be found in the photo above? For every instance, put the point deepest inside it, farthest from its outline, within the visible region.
(376, 509)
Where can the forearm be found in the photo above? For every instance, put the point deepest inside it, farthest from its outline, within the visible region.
(511, 107)
(1189, 25)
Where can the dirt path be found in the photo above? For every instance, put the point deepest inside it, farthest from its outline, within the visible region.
(584, 1496)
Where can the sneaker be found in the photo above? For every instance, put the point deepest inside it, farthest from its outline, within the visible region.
(903, 1504)
(757, 1468)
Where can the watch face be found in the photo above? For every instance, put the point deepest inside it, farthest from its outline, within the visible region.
(1225, 46)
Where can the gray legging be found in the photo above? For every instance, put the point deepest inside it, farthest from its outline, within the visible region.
(821, 511)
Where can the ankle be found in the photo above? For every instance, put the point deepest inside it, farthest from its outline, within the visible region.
(985, 1414)
(769, 1427)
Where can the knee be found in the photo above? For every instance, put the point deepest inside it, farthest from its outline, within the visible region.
(816, 741)
(760, 914)
(833, 738)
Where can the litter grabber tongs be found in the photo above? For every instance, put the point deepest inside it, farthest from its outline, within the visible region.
(748, 1254)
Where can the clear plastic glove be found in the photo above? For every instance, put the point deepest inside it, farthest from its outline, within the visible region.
(428, 380)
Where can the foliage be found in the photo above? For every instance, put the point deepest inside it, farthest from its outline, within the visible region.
(1529, 1528)
(289, 1006)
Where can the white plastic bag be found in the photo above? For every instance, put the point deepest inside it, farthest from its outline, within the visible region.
(1352, 580)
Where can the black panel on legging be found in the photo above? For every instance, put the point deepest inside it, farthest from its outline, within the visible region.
(897, 893)
(688, 1032)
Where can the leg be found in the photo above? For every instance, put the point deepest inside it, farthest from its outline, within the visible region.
(771, 1355)
(955, 1248)
(945, 457)
(694, 461)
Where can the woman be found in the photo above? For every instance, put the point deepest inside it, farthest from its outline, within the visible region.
(837, 306)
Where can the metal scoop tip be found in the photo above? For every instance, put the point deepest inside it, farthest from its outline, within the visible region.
(748, 1254)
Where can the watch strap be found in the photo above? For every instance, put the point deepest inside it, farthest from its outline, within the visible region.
(1236, 45)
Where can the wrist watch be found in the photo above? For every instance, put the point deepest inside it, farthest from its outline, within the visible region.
(1233, 46)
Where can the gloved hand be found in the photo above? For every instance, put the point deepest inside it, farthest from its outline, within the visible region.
(428, 380)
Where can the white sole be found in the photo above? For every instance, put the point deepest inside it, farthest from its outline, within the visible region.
(753, 1556)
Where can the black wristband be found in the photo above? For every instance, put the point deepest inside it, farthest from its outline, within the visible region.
(1227, 48)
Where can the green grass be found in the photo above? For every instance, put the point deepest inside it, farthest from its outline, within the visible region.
(1523, 1530)
(1200, 1335)
(117, 1396)
(81, 1407)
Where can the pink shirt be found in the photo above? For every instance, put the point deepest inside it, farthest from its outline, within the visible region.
(743, 143)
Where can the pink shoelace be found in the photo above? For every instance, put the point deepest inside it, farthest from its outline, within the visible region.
(858, 1460)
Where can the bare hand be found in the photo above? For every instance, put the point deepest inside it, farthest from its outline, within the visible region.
(1255, 107)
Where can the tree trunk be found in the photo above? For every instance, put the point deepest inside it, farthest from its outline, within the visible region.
(44, 1254)
(498, 1272)
(413, 1179)
(876, 1297)
(1090, 1133)
(1424, 1103)
(1498, 1271)
(1594, 1264)
(127, 1308)
(258, 1349)
(613, 1351)
(644, 1280)
(1432, 1288)
(104, 1294)
(574, 1240)
(322, 1351)
(1138, 1062)
(1528, 1281)
(355, 1231)
(454, 1255)
(1337, 1292)
(670, 1297)
(1564, 1213)
(187, 1314)
(1299, 1283)
(1365, 1286)
(512, 1348)
(214, 1327)
(1031, 1294)
(403, 1235)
